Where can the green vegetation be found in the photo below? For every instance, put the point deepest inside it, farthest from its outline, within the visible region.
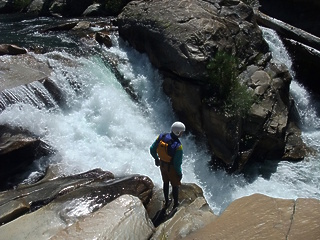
(225, 89)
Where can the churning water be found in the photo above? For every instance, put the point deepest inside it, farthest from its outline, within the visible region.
(104, 127)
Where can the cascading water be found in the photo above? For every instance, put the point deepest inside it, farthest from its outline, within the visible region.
(103, 127)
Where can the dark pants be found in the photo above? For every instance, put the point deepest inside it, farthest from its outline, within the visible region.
(169, 174)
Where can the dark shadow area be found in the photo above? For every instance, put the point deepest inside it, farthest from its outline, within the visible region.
(263, 169)
(304, 15)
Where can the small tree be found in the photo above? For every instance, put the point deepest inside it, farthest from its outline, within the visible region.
(225, 89)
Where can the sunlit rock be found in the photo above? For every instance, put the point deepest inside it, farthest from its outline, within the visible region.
(188, 218)
(93, 189)
(73, 219)
(193, 213)
(305, 222)
(123, 218)
(19, 70)
(26, 79)
(180, 39)
(25, 198)
(261, 217)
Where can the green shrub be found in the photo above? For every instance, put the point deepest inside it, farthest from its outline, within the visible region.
(224, 88)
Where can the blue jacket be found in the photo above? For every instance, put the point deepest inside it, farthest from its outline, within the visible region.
(175, 150)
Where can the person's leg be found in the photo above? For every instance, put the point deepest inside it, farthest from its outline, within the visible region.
(175, 183)
(175, 194)
(166, 192)
(165, 179)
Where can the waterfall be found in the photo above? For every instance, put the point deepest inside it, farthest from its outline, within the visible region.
(305, 105)
(103, 127)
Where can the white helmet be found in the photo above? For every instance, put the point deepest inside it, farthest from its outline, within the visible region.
(177, 128)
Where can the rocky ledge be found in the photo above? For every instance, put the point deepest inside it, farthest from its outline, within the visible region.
(96, 204)
(262, 217)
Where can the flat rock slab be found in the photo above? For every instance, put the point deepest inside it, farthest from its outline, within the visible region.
(121, 219)
(21, 70)
(124, 218)
(262, 217)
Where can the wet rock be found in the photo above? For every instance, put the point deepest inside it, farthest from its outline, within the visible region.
(123, 218)
(93, 10)
(10, 49)
(103, 38)
(18, 149)
(62, 27)
(26, 79)
(21, 70)
(62, 8)
(92, 189)
(16, 202)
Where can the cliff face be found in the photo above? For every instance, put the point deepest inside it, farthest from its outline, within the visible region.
(181, 38)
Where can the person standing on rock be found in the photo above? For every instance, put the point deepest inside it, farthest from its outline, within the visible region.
(167, 152)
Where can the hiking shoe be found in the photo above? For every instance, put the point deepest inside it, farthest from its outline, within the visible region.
(167, 204)
(175, 205)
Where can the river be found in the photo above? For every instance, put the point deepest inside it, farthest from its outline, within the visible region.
(102, 126)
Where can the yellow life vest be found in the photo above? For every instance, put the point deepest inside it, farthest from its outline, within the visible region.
(162, 151)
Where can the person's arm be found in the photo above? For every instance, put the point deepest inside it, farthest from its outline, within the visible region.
(153, 151)
(177, 160)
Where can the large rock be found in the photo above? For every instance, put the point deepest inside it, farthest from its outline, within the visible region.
(93, 189)
(180, 38)
(9, 49)
(261, 217)
(16, 202)
(21, 70)
(123, 218)
(193, 213)
(270, 128)
(25, 79)
(18, 149)
(94, 204)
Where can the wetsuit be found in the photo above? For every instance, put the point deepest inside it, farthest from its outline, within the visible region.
(170, 171)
